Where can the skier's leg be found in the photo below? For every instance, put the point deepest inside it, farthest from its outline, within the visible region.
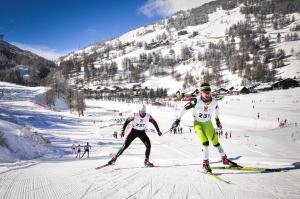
(203, 137)
(145, 139)
(211, 134)
(83, 154)
(131, 136)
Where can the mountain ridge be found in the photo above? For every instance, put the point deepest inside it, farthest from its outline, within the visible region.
(179, 52)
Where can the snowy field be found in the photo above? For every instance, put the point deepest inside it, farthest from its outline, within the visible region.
(35, 168)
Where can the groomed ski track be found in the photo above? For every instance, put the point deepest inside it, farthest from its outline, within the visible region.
(60, 175)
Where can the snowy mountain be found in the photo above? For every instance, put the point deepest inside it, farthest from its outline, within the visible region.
(14, 61)
(228, 43)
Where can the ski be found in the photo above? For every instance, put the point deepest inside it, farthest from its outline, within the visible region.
(151, 166)
(215, 177)
(246, 168)
(102, 166)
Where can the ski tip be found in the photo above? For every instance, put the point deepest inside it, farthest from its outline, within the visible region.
(105, 165)
(151, 166)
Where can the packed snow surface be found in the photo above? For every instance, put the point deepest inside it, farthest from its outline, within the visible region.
(30, 168)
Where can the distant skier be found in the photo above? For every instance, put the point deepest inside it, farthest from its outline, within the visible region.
(87, 148)
(203, 108)
(226, 134)
(73, 147)
(140, 121)
(78, 151)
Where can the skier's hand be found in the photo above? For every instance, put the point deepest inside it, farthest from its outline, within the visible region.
(122, 134)
(175, 124)
(159, 133)
(219, 125)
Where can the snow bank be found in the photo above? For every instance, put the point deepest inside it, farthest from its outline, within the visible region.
(22, 143)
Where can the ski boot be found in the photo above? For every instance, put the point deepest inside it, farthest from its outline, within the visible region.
(147, 163)
(228, 162)
(113, 160)
(206, 167)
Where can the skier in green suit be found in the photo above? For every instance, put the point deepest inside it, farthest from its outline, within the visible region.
(204, 107)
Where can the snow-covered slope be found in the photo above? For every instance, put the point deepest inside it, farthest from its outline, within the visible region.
(255, 142)
(197, 38)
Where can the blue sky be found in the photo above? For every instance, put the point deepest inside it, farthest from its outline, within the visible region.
(60, 26)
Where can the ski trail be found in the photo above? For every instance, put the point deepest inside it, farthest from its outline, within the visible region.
(139, 190)
(87, 190)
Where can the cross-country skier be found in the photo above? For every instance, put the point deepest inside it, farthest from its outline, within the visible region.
(87, 148)
(73, 147)
(140, 121)
(204, 107)
(78, 151)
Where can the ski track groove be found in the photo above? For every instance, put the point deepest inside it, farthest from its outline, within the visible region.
(86, 191)
(198, 192)
(216, 183)
(156, 191)
(187, 194)
(173, 191)
(150, 189)
(271, 192)
(139, 190)
(115, 182)
(12, 182)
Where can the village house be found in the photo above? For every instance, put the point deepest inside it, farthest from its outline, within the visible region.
(285, 84)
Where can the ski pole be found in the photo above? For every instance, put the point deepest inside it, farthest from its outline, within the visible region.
(166, 132)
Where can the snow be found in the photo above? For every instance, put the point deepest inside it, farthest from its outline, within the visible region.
(212, 31)
(55, 173)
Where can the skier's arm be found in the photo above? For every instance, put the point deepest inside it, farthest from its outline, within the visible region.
(219, 125)
(187, 106)
(217, 111)
(191, 104)
(154, 123)
(128, 120)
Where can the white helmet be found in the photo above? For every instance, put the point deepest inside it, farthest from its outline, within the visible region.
(142, 108)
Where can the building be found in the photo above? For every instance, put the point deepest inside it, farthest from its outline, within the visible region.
(285, 84)
(239, 90)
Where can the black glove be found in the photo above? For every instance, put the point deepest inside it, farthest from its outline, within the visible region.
(122, 134)
(219, 125)
(175, 124)
(159, 133)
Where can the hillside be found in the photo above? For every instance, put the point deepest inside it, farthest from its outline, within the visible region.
(224, 42)
(12, 57)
